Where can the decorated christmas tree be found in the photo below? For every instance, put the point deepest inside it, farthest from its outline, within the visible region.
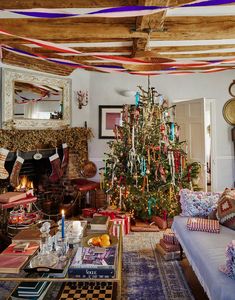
(147, 164)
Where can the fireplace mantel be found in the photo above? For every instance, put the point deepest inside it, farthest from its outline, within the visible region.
(31, 140)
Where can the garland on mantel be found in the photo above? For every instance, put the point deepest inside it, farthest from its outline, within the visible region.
(27, 140)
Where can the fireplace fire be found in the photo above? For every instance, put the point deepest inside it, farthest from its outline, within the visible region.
(24, 185)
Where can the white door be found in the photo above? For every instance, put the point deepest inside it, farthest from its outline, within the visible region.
(190, 115)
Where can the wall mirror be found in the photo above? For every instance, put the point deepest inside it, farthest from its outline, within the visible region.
(33, 100)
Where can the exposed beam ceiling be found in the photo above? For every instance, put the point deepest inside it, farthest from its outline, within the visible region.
(171, 33)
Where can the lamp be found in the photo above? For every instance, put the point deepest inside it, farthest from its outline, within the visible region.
(82, 98)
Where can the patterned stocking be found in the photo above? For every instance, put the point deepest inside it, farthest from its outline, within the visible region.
(56, 168)
(3, 155)
(14, 178)
(65, 157)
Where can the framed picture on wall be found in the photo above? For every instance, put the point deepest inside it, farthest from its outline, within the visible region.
(109, 116)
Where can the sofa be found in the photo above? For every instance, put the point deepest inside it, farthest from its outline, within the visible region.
(206, 253)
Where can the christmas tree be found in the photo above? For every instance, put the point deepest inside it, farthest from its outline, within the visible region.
(147, 164)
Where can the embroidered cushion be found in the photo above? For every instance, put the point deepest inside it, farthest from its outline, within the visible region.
(200, 224)
(229, 267)
(197, 204)
(226, 208)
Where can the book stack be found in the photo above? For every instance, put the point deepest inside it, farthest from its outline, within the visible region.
(12, 264)
(169, 246)
(99, 223)
(94, 262)
(12, 197)
(14, 257)
(31, 290)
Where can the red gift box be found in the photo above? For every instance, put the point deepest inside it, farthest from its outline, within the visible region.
(88, 212)
(116, 218)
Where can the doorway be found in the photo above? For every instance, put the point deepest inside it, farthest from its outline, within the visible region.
(197, 127)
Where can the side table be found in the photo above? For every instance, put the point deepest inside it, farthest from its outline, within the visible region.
(5, 206)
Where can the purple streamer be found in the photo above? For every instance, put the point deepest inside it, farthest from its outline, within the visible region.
(109, 66)
(126, 8)
(44, 14)
(18, 51)
(121, 9)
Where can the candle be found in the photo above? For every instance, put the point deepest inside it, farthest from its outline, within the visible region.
(62, 224)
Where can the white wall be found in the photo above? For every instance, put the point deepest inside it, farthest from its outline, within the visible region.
(103, 90)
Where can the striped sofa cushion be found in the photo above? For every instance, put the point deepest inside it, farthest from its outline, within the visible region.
(199, 224)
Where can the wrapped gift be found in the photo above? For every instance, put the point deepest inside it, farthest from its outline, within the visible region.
(169, 247)
(88, 212)
(169, 237)
(117, 218)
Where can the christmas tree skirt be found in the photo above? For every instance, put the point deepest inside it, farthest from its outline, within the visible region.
(141, 226)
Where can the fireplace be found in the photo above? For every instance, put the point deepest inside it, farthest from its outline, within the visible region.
(51, 195)
(34, 174)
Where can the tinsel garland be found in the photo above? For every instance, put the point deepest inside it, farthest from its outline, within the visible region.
(27, 140)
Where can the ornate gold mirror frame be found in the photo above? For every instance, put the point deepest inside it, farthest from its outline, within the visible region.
(9, 77)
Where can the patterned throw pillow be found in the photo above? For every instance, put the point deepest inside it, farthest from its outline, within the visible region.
(226, 208)
(197, 204)
(199, 224)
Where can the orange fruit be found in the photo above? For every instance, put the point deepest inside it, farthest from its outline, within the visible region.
(105, 237)
(96, 241)
(105, 243)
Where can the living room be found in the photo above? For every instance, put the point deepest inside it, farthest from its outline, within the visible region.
(89, 91)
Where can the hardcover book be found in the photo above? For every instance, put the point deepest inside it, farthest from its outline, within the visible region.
(27, 235)
(28, 248)
(88, 257)
(99, 223)
(169, 247)
(32, 289)
(12, 263)
(15, 295)
(11, 197)
(167, 255)
(91, 273)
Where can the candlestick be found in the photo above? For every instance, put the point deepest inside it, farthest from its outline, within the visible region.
(62, 224)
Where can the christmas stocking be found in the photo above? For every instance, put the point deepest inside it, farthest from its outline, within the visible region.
(65, 159)
(3, 155)
(14, 178)
(56, 168)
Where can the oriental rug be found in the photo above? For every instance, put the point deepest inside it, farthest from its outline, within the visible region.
(146, 275)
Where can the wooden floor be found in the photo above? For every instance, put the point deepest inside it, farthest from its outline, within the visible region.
(193, 282)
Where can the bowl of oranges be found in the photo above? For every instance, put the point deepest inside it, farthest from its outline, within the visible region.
(100, 240)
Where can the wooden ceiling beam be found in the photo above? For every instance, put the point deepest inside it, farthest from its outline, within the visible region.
(177, 28)
(87, 40)
(199, 55)
(187, 28)
(35, 64)
(191, 48)
(123, 49)
(11, 4)
(71, 32)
